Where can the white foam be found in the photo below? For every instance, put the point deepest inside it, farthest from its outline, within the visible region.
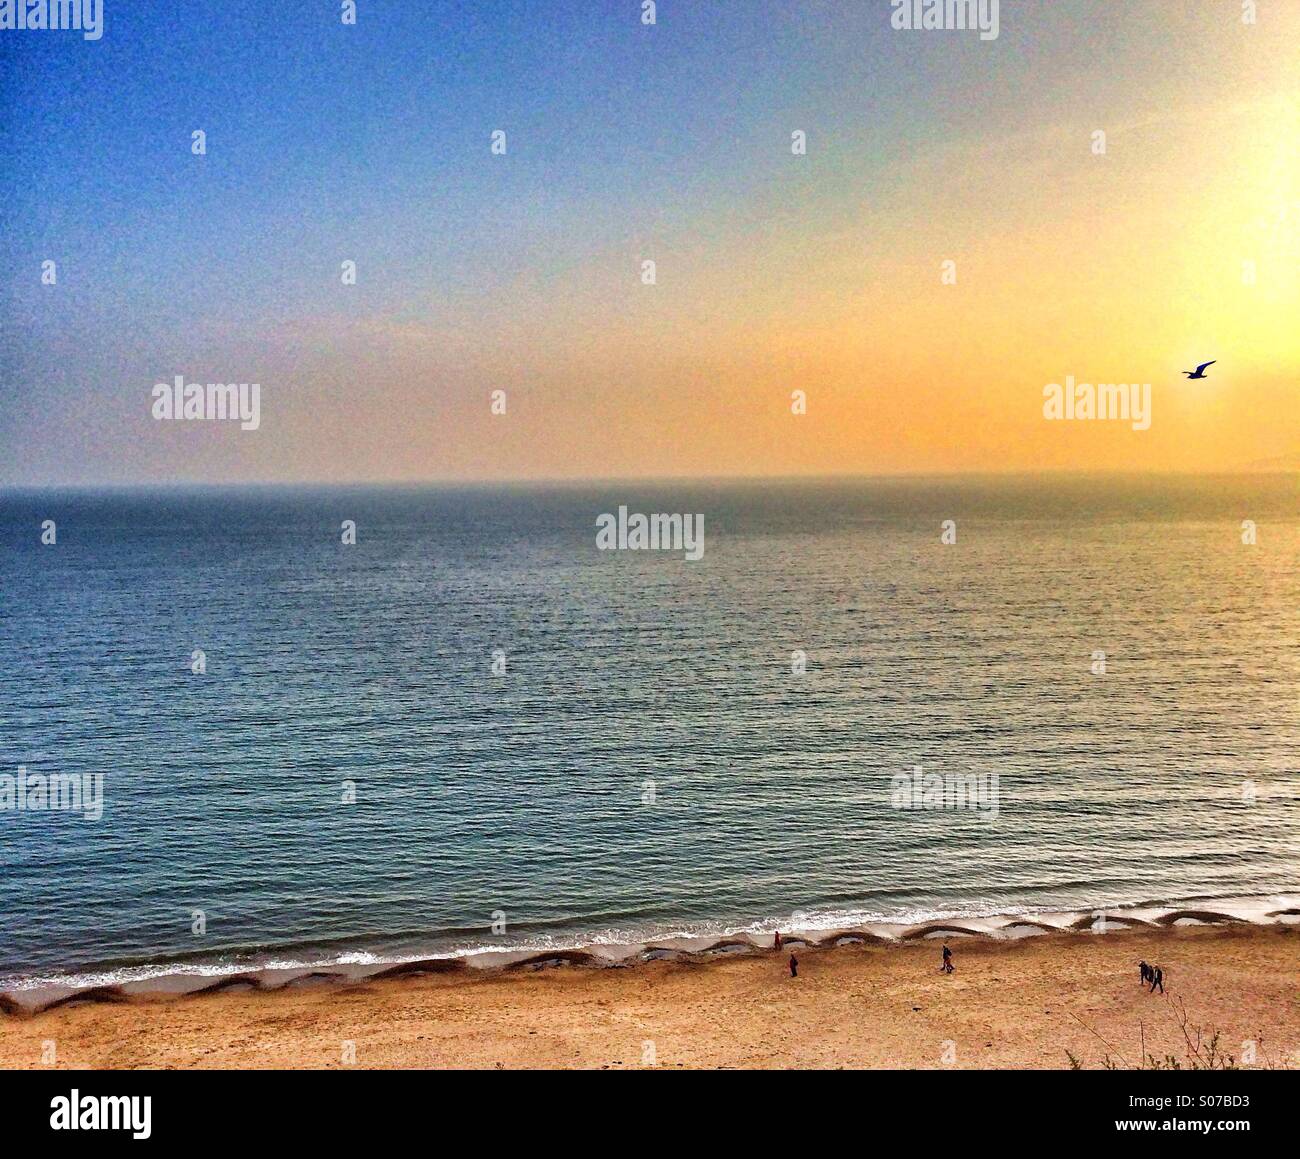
(619, 943)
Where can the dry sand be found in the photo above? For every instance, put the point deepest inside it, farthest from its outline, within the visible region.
(1009, 1004)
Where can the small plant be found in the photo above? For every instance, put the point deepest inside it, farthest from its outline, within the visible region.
(1202, 1049)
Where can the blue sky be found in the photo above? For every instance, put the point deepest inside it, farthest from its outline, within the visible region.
(370, 143)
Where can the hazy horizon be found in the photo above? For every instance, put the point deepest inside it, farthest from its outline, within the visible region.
(1044, 474)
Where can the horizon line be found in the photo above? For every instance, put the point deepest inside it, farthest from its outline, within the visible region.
(624, 480)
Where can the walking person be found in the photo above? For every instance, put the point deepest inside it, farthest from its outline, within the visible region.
(776, 940)
(947, 959)
(794, 966)
(1144, 973)
(1157, 979)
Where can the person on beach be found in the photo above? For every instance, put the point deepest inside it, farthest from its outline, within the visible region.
(1144, 973)
(947, 959)
(1157, 979)
(776, 940)
(794, 966)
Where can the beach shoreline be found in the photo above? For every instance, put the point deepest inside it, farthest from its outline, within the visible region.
(274, 969)
(1027, 1001)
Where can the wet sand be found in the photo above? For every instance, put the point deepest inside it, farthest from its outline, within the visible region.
(1021, 1003)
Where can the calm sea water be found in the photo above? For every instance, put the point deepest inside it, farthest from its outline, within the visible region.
(524, 793)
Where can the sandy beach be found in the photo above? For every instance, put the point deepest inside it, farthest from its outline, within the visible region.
(1023, 1003)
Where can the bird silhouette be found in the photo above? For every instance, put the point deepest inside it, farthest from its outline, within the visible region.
(1200, 370)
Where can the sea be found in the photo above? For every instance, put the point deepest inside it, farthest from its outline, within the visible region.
(342, 724)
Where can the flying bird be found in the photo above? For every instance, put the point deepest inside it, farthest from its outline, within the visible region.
(1200, 370)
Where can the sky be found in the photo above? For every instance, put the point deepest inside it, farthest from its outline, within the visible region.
(522, 271)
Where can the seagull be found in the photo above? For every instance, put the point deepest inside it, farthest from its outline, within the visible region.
(1200, 370)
